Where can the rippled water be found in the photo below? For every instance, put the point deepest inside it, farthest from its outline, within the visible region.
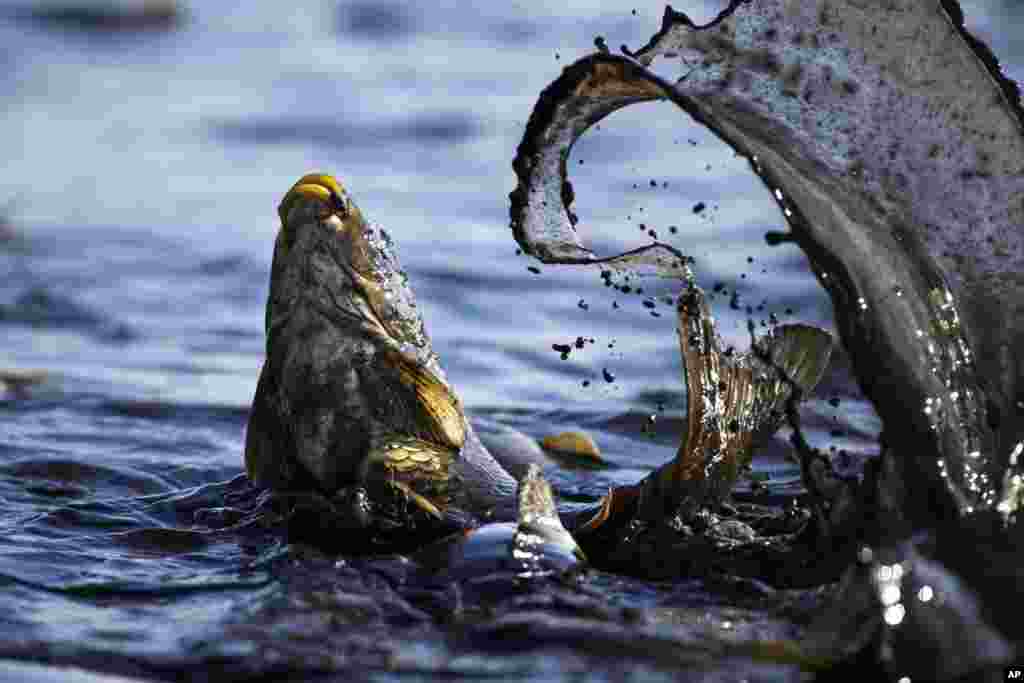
(143, 170)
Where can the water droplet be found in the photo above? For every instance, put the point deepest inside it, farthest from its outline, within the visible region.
(894, 614)
(890, 595)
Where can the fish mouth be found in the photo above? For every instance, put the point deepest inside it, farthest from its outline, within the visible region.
(316, 186)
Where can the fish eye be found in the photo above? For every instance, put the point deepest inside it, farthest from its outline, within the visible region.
(338, 204)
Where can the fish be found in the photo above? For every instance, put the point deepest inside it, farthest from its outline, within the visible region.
(352, 402)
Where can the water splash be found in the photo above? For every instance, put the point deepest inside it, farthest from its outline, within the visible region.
(884, 175)
(894, 147)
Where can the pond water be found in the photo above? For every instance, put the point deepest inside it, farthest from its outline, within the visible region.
(142, 177)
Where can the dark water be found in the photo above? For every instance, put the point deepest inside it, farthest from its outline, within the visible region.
(143, 171)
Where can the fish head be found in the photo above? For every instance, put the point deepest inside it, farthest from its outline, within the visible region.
(328, 255)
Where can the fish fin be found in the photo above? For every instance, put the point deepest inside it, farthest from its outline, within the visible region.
(422, 470)
(538, 523)
(263, 462)
(803, 352)
(436, 410)
(420, 501)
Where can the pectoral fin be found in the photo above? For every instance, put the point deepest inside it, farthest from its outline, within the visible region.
(419, 470)
(433, 411)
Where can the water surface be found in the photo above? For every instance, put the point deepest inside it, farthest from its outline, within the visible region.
(143, 172)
